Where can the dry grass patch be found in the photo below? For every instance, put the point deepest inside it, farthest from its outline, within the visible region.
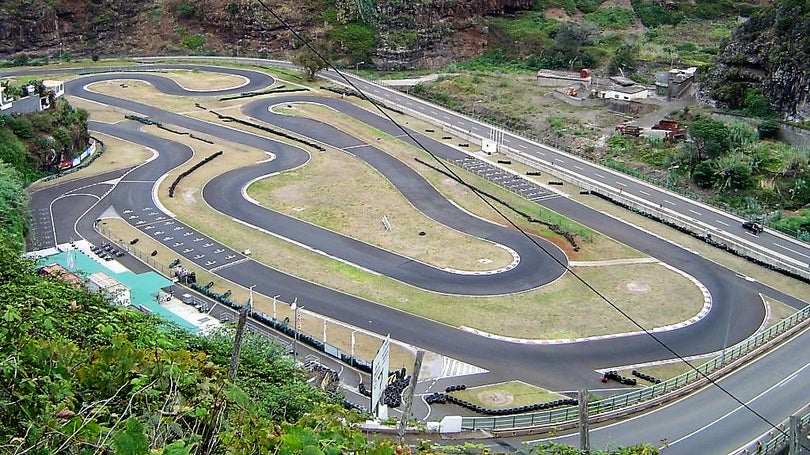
(317, 193)
(506, 395)
(779, 310)
(205, 80)
(129, 87)
(592, 245)
(567, 309)
(337, 334)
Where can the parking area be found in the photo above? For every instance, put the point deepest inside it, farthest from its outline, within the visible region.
(505, 179)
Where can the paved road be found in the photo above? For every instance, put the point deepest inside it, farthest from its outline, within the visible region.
(736, 312)
(791, 250)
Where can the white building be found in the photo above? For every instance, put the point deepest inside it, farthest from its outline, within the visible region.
(629, 93)
(5, 103)
(112, 288)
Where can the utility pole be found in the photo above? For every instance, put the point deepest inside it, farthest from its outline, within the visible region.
(240, 333)
(584, 427)
(408, 398)
(795, 446)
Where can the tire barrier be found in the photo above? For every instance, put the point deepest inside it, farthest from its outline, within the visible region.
(556, 228)
(534, 173)
(504, 161)
(327, 378)
(430, 130)
(192, 169)
(646, 377)
(464, 144)
(453, 388)
(614, 375)
(87, 162)
(363, 390)
(447, 137)
(556, 182)
(228, 118)
(360, 408)
(279, 89)
(442, 398)
(707, 239)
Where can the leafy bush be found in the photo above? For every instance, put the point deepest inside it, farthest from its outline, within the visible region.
(653, 14)
(356, 41)
(612, 18)
(193, 42)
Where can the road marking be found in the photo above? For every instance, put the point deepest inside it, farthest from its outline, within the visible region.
(579, 167)
(599, 175)
(724, 224)
(506, 139)
(643, 192)
(789, 249)
(620, 183)
(747, 403)
(669, 202)
(696, 213)
(522, 146)
(542, 153)
(475, 128)
(447, 117)
(559, 160)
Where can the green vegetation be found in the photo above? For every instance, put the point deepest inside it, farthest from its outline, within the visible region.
(13, 207)
(356, 41)
(34, 144)
(612, 18)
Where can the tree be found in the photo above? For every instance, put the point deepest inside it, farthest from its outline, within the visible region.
(705, 174)
(309, 60)
(13, 206)
(624, 61)
(710, 138)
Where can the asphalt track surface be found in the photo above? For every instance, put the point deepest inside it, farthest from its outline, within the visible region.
(736, 313)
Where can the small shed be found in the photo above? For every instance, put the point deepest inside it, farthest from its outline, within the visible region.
(112, 288)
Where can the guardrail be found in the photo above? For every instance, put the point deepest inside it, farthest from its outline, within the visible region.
(640, 399)
(682, 222)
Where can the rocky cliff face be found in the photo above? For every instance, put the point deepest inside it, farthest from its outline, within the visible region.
(769, 53)
(411, 34)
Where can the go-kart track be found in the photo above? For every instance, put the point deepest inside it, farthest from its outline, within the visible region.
(66, 211)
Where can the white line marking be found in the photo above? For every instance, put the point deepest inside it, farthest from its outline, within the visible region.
(696, 213)
(599, 175)
(724, 224)
(643, 192)
(521, 146)
(579, 167)
(669, 202)
(789, 249)
(620, 183)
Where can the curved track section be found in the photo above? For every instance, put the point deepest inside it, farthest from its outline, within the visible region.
(737, 313)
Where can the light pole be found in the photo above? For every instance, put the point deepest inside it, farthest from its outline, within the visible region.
(274, 305)
(297, 309)
(238, 42)
(352, 350)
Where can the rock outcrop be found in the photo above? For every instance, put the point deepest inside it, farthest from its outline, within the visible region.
(769, 53)
(410, 34)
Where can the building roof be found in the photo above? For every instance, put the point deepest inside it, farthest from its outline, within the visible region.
(629, 89)
(560, 74)
(103, 281)
(623, 81)
(57, 271)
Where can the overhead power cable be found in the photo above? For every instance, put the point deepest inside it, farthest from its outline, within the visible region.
(486, 201)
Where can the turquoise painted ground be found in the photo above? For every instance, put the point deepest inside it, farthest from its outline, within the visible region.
(143, 288)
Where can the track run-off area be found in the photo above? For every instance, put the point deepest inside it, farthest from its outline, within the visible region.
(730, 310)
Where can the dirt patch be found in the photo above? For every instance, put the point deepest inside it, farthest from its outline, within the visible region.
(495, 398)
(188, 196)
(634, 287)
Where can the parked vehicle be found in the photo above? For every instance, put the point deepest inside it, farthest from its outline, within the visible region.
(752, 226)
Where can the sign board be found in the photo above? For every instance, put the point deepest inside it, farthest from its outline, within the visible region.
(379, 372)
(489, 146)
